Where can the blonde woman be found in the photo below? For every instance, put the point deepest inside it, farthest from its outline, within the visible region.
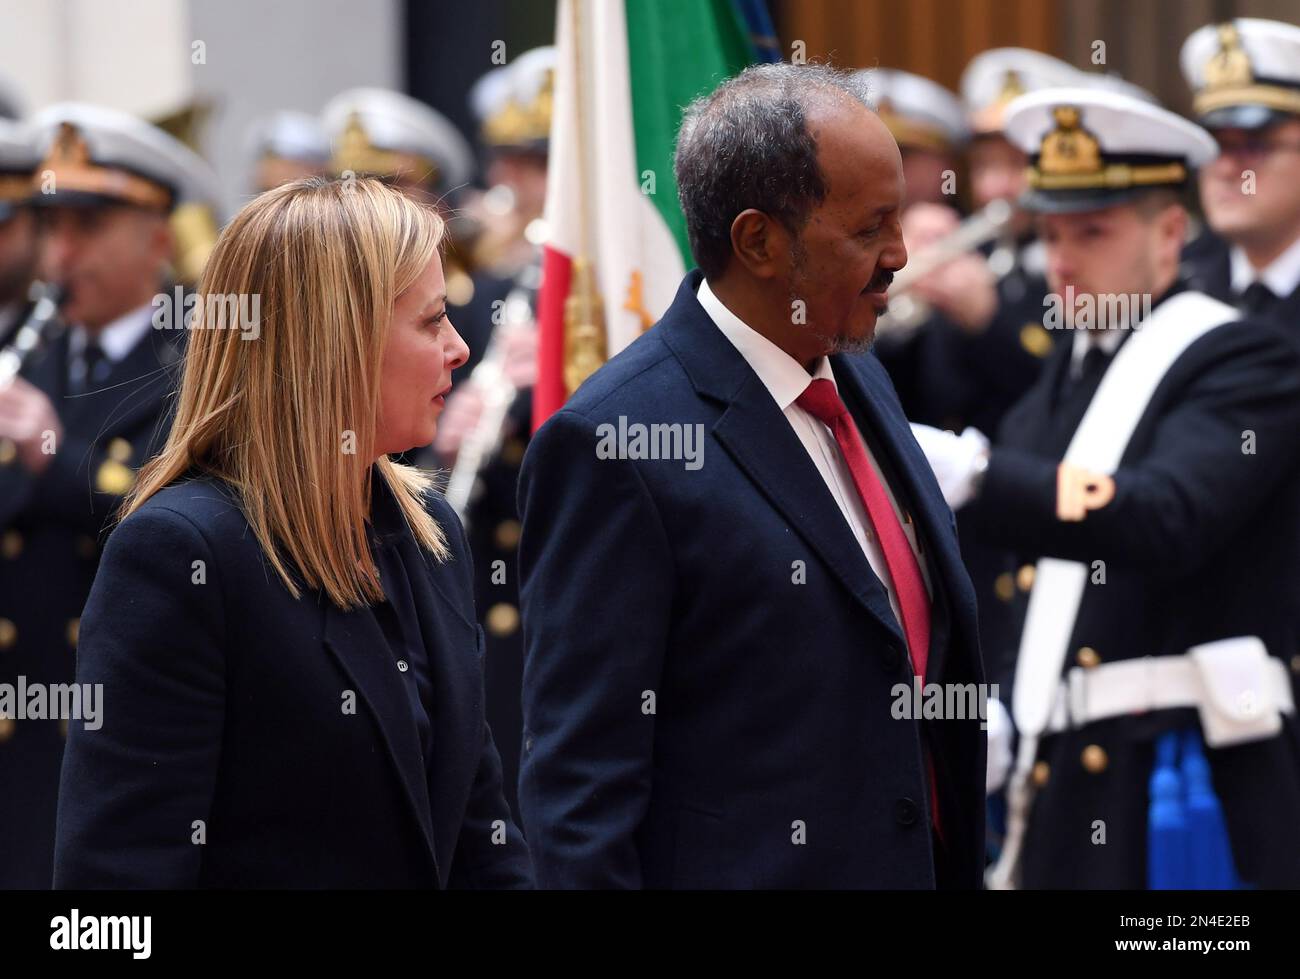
(283, 621)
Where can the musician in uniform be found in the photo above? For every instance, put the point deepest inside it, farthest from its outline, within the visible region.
(1148, 479)
(927, 123)
(17, 227)
(929, 126)
(513, 104)
(285, 146)
(390, 135)
(1245, 76)
(84, 414)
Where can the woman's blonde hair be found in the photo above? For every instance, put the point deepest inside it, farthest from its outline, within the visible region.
(286, 413)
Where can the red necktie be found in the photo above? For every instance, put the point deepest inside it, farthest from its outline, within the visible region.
(822, 401)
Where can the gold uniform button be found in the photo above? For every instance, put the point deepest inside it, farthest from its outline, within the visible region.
(119, 450)
(1087, 657)
(11, 545)
(114, 477)
(1040, 774)
(74, 629)
(512, 452)
(1025, 577)
(502, 619)
(7, 725)
(1094, 759)
(1004, 586)
(8, 451)
(8, 633)
(1035, 339)
(507, 535)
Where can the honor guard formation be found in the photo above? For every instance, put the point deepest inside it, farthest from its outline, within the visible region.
(1095, 341)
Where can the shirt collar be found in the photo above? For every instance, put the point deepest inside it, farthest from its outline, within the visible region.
(1282, 275)
(1107, 340)
(118, 338)
(783, 376)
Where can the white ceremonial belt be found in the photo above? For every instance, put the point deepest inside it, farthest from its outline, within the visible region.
(1239, 690)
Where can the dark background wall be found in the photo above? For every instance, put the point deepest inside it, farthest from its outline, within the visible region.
(449, 44)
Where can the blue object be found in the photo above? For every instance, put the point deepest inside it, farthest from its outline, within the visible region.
(1168, 844)
(1210, 852)
(762, 35)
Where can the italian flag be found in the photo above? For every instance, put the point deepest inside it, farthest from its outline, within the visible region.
(617, 249)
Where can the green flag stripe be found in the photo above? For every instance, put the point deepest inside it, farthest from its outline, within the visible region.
(677, 50)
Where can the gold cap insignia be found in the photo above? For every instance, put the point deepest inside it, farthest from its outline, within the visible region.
(910, 133)
(68, 161)
(1230, 80)
(516, 124)
(356, 153)
(1069, 149)
(989, 119)
(1229, 67)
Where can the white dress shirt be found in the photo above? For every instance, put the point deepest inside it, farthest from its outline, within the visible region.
(785, 379)
(1108, 340)
(1282, 276)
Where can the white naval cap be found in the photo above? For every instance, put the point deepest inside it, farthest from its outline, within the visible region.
(17, 161)
(994, 78)
(1091, 148)
(513, 102)
(385, 133)
(920, 113)
(11, 99)
(1244, 73)
(98, 155)
(1113, 83)
(289, 136)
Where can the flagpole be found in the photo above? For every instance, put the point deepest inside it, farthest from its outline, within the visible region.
(584, 315)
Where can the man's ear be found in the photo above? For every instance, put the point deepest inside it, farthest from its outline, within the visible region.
(1173, 229)
(162, 240)
(760, 243)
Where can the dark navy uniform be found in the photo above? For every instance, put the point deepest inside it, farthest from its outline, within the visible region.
(1196, 545)
(1207, 268)
(1219, 563)
(109, 382)
(53, 527)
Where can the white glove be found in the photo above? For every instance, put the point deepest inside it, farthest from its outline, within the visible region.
(1000, 733)
(957, 460)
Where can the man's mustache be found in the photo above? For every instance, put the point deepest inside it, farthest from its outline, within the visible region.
(880, 281)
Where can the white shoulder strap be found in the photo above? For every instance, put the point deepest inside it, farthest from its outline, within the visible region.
(1098, 444)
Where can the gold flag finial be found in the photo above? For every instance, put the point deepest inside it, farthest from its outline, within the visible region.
(584, 327)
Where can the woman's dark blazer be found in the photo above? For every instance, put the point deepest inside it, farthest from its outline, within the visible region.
(251, 739)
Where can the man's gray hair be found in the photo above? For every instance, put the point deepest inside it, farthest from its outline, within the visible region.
(746, 144)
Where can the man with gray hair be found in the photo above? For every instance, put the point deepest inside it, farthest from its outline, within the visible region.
(714, 654)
